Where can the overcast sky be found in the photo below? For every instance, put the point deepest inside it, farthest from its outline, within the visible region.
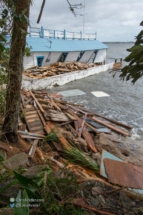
(113, 20)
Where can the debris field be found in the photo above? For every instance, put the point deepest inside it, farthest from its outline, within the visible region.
(107, 185)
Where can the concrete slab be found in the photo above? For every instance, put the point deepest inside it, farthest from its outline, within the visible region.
(74, 92)
(99, 94)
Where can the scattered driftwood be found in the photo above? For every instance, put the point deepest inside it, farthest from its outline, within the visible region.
(57, 69)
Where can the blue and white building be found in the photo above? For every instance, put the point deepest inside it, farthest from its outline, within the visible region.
(49, 46)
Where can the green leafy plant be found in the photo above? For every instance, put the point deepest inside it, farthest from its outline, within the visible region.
(51, 137)
(75, 156)
(22, 207)
(55, 192)
(134, 70)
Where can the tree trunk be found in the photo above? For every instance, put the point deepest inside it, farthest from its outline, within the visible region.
(18, 42)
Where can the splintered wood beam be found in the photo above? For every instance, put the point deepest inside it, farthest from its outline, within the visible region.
(40, 107)
(114, 121)
(33, 149)
(110, 126)
(87, 136)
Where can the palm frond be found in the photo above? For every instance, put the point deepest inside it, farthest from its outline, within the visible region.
(75, 156)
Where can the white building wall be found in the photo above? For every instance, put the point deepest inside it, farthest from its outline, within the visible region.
(53, 57)
(28, 62)
(101, 56)
(86, 56)
(32, 60)
(72, 56)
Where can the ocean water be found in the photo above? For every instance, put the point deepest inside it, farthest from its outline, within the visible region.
(125, 102)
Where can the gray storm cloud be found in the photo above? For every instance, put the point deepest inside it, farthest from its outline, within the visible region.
(116, 20)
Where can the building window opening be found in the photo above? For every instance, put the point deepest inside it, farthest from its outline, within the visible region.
(80, 56)
(40, 61)
(63, 57)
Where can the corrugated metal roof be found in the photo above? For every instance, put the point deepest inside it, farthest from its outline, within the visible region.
(59, 45)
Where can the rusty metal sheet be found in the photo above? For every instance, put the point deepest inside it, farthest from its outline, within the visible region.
(104, 155)
(124, 174)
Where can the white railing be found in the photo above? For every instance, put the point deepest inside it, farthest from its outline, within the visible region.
(41, 32)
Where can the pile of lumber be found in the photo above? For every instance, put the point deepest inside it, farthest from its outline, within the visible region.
(44, 114)
(56, 69)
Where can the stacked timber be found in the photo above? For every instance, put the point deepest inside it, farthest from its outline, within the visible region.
(57, 69)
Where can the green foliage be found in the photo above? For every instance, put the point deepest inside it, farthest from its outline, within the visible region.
(58, 193)
(51, 137)
(1, 158)
(134, 70)
(54, 194)
(22, 207)
(77, 157)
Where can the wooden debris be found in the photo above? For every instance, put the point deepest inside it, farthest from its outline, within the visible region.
(82, 203)
(111, 126)
(63, 141)
(40, 154)
(37, 102)
(33, 149)
(86, 134)
(114, 121)
(31, 134)
(57, 69)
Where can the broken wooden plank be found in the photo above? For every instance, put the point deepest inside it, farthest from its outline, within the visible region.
(63, 107)
(40, 107)
(77, 109)
(82, 124)
(114, 121)
(65, 123)
(70, 116)
(55, 105)
(86, 134)
(31, 134)
(111, 127)
(25, 136)
(69, 127)
(34, 118)
(91, 127)
(59, 117)
(76, 126)
(33, 149)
